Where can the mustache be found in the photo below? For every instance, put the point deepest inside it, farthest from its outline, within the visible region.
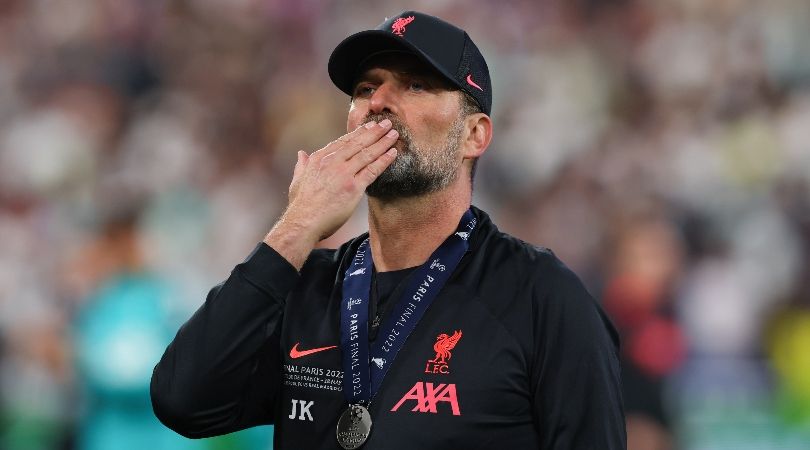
(402, 129)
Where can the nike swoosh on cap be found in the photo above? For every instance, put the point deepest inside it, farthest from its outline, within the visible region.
(472, 83)
(295, 353)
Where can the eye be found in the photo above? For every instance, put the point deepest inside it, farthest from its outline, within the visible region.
(363, 90)
(417, 85)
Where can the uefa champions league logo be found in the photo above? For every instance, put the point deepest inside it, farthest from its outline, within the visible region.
(436, 265)
(379, 362)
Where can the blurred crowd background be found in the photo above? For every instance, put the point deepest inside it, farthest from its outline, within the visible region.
(660, 147)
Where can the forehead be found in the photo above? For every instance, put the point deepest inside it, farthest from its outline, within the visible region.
(400, 63)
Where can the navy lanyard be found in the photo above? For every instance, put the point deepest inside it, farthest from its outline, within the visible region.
(364, 366)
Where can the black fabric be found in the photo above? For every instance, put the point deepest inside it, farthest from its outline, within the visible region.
(534, 364)
(386, 288)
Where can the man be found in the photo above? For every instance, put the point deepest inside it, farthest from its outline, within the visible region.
(434, 330)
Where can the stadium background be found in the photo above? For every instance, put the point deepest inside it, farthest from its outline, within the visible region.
(659, 147)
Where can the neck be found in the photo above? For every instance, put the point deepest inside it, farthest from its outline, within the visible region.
(405, 232)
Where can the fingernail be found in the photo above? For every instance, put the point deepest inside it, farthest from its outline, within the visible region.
(385, 123)
(392, 133)
(370, 124)
(392, 151)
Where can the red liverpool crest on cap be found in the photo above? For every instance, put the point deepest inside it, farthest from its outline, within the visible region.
(398, 27)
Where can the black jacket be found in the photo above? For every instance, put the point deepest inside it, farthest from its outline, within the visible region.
(534, 364)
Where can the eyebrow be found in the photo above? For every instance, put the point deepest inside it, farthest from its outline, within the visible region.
(413, 70)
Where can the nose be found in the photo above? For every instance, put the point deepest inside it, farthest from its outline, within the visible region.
(384, 99)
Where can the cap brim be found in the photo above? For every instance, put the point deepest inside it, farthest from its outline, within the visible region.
(349, 55)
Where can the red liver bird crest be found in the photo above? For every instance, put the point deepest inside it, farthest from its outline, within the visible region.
(398, 27)
(443, 345)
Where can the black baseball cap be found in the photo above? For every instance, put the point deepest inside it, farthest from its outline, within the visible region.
(443, 46)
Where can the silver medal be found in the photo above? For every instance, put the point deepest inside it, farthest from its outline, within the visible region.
(353, 427)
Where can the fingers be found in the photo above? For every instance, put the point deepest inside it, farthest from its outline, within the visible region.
(371, 171)
(370, 133)
(369, 154)
(349, 144)
(357, 157)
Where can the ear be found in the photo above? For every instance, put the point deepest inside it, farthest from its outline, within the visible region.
(477, 136)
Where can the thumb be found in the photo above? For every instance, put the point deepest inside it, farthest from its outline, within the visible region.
(302, 161)
(300, 165)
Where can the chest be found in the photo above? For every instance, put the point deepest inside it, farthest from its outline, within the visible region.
(460, 379)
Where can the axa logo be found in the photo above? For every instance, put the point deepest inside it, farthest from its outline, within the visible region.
(427, 396)
(398, 27)
(444, 344)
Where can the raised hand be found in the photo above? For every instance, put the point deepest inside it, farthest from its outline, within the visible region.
(327, 187)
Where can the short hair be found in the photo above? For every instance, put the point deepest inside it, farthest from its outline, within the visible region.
(468, 104)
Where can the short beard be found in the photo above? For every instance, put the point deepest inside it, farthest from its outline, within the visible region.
(417, 171)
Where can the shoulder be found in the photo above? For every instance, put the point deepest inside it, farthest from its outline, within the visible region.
(532, 263)
(512, 268)
(497, 250)
(560, 302)
(524, 253)
(538, 279)
(554, 286)
(558, 305)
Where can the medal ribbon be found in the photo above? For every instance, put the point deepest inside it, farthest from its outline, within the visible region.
(364, 366)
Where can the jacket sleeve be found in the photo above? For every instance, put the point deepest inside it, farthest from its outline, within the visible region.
(222, 371)
(576, 371)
